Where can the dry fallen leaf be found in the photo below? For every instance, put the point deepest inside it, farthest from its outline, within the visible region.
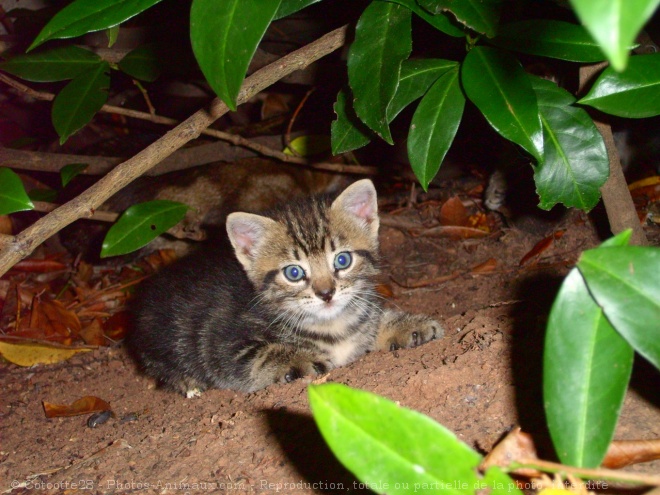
(31, 353)
(86, 405)
(453, 213)
(93, 334)
(487, 266)
(623, 453)
(540, 247)
(513, 447)
(116, 326)
(39, 266)
(54, 318)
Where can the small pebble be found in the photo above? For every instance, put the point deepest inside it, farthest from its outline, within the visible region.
(128, 418)
(99, 418)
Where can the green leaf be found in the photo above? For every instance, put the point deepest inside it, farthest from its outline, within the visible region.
(415, 79)
(382, 43)
(47, 195)
(288, 7)
(621, 239)
(615, 24)
(58, 64)
(140, 224)
(434, 126)
(224, 37)
(68, 172)
(85, 16)
(12, 193)
(309, 145)
(633, 93)
(500, 88)
(347, 131)
(586, 369)
(113, 34)
(440, 21)
(384, 444)
(624, 281)
(576, 164)
(142, 63)
(547, 38)
(481, 16)
(79, 100)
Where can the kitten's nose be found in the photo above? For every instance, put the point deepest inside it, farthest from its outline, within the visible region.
(326, 294)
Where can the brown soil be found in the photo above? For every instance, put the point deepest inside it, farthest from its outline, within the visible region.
(480, 380)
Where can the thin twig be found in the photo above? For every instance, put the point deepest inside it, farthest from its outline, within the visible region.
(287, 135)
(234, 139)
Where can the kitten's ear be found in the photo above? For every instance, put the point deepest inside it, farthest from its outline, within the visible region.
(247, 233)
(359, 200)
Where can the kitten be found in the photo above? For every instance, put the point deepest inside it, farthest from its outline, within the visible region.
(298, 298)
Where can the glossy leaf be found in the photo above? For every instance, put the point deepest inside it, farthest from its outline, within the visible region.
(548, 38)
(58, 64)
(481, 16)
(615, 24)
(382, 443)
(140, 224)
(347, 131)
(79, 100)
(415, 79)
(382, 43)
(288, 7)
(576, 164)
(497, 84)
(12, 193)
(633, 93)
(442, 22)
(586, 369)
(224, 37)
(625, 282)
(434, 126)
(70, 171)
(85, 16)
(142, 63)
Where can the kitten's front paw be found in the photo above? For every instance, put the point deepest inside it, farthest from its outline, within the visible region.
(281, 364)
(302, 368)
(403, 330)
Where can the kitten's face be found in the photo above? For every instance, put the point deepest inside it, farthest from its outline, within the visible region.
(313, 260)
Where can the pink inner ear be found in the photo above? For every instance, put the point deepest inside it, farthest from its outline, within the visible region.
(362, 205)
(245, 235)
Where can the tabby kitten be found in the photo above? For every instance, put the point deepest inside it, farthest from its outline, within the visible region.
(296, 297)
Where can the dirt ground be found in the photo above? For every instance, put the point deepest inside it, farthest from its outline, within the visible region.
(480, 380)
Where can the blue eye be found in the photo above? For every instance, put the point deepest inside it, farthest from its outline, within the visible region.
(343, 260)
(294, 273)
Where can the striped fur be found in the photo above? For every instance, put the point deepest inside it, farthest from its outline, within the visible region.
(223, 319)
